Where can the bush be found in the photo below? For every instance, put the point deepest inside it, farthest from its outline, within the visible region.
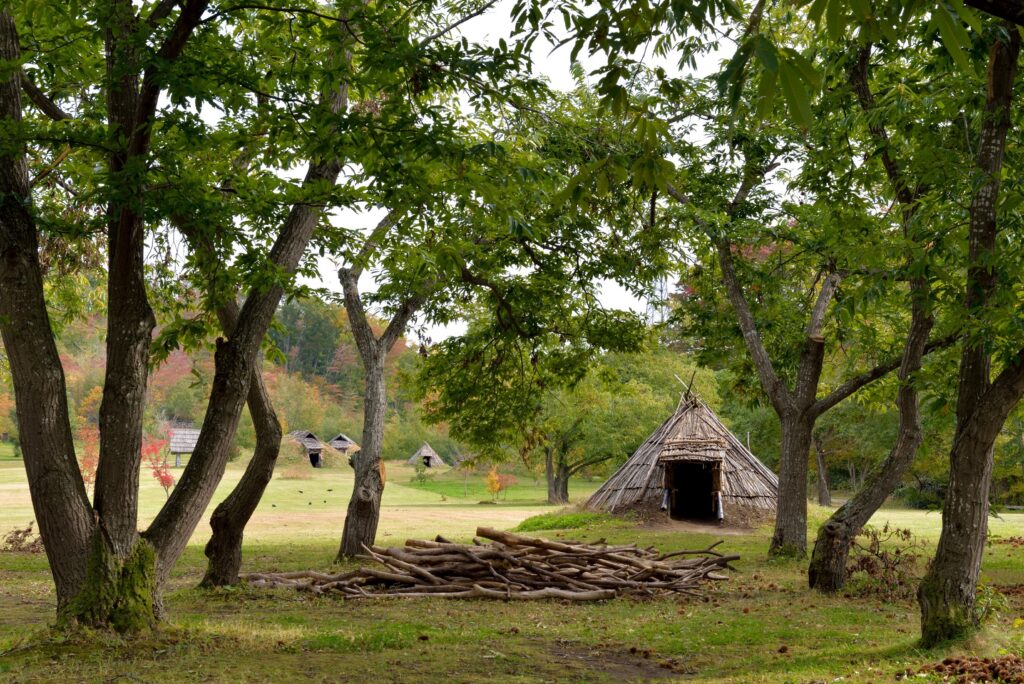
(883, 563)
(421, 476)
(562, 521)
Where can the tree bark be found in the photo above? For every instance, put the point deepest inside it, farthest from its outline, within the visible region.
(824, 495)
(364, 506)
(947, 592)
(790, 536)
(827, 570)
(224, 550)
(59, 498)
(234, 362)
(797, 408)
(557, 472)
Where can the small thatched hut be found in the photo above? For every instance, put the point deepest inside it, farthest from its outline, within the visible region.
(343, 443)
(311, 443)
(182, 442)
(693, 467)
(427, 456)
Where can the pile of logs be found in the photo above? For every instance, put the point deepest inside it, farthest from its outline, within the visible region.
(513, 567)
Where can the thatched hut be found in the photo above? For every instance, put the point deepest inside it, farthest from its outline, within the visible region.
(182, 442)
(694, 468)
(426, 456)
(311, 443)
(343, 443)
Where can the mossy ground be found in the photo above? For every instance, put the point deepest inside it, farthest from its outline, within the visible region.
(762, 625)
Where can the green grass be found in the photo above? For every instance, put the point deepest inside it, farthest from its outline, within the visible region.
(7, 452)
(561, 520)
(459, 485)
(762, 625)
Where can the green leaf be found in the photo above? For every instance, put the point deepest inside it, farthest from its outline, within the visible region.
(766, 53)
(796, 94)
(954, 37)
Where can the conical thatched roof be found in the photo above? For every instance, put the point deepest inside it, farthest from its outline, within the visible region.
(427, 456)
(692, 433)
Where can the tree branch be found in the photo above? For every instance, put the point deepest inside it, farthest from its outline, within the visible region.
(40, 100)
(372, 243)
(361, 330)
(825, 295)
(1011, 10)
(455, 24)
(170, 50)
(881, 370)
(859, 79)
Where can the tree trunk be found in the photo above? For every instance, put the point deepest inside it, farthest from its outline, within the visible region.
(224, 550)
(364, 506)
(557, 472)
(827, 570)
(947, 592)
(824, 496)
(59, 498)
(790, 537)
(122, 592)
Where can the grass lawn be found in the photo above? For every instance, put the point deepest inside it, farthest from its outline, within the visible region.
(760, 626)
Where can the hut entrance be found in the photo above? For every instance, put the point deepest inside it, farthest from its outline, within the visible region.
(693, 487)
(314, 459)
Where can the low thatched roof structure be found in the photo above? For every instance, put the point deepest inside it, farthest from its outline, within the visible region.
(427, 456)
(343, 443)
(692, 435)
(309, 441)
(183, 440)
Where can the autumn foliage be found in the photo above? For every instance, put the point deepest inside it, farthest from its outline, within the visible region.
(90, 438)
(153, 456)
(499, 482)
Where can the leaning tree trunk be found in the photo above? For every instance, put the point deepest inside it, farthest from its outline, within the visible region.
(827, 570)
(224, 550)
(790, 536)
(59, 499)
(364, 506)
(824, 495)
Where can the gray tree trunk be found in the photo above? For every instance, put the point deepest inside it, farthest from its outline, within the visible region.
(557, 472)
(364, 507)
(790, 535)
(947, 592)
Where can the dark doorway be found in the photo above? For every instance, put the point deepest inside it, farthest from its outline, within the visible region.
(692, 486)
(314, 459)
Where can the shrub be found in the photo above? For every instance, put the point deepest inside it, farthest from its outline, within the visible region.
(22, 540)
(883, 563)
(421, 476)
